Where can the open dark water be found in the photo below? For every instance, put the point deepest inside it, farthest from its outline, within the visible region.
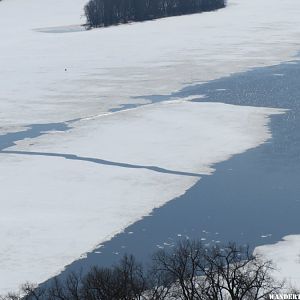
(253, 198)
(30, 132)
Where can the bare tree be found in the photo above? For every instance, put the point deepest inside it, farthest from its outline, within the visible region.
(124, 281)
(216, 273)
(188, 271)
(181, 266)
(68, 289)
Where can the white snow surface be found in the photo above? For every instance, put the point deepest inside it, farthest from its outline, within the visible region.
(52, 209)
(285, 256)
(108, 67)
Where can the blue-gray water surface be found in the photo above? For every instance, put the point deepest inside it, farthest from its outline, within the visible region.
(30, 132)
(252, 198)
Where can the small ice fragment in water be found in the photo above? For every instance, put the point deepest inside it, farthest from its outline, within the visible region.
(266, 235)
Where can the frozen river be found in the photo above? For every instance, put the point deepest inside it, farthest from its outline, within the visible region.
(252, 198)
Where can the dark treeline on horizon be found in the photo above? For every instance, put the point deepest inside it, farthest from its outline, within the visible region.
(111, 12)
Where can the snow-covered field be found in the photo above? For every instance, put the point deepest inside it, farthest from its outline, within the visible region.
(106, 68)
(112, 169)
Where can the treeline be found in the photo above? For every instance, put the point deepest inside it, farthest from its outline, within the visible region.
(189, 271)
(111, 12)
